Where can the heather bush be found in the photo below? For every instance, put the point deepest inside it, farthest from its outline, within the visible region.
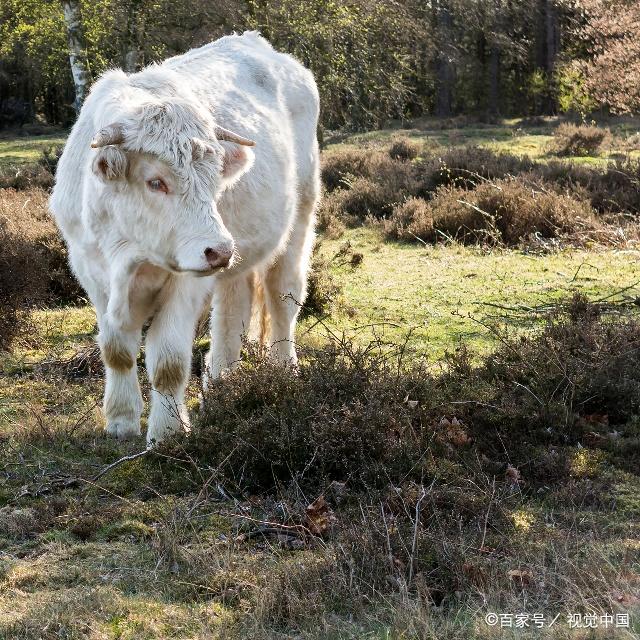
(25, 177)
(33, 260)
(612, 189)
(342, 415)
(341, 167)
(411, 195)
(580, 140)
(329, 218)
(360, 415)
(322, 289)
(404, 149)
(363, 198)
(467, 167)
(409, 220)
(500, 212)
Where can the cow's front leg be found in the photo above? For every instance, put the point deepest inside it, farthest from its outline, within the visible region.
(119, 340)
(122, 398)
(168, 354)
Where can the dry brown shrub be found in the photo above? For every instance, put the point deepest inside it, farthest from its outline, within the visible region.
(467, 167)
(28, 176)
(410, 220)
(580, 140)
(341, 164)
(329, 219)
(322, 289)
(33, 262)
(613, 189)
(501, 212)
(362, 199)
(341, 167)
(404, 149)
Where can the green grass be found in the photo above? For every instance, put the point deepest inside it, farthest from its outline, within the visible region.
(451, 294)
(22, 150)
(510, 135)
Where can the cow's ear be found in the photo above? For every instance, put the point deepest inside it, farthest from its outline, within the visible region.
(110, 163)
(236, 161)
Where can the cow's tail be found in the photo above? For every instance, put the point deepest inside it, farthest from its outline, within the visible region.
(260, 326)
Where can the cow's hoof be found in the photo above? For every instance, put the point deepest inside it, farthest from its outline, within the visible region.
(123, 429)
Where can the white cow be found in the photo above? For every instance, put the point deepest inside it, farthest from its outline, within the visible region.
(204, 165)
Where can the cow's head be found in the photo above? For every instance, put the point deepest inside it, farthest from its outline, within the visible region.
(163, 169)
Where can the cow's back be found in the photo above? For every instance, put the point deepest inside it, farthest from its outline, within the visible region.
(246, 74)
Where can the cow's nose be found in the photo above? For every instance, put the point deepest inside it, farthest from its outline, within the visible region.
(218, 258)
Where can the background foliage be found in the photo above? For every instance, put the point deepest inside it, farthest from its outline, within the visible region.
(374, 60)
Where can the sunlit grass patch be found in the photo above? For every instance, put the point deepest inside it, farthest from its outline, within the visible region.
(449, 294)
(585, 462)
(522, 520)
(21, 150)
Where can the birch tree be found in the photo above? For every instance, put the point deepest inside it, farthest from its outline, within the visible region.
(77, 50)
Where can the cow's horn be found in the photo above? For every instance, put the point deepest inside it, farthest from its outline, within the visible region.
(229, 136)
(111, 134)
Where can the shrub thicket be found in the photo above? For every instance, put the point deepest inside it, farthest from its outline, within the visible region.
(467, 167)
(33, 260)
(550, 198)
(358, 415)
(25, 177)
(612, 189)
(499, 212)
(404, 149)
(580, 140)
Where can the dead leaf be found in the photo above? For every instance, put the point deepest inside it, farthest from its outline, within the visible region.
(593, 439)
(455, 432)
(513, 475)
(320, 517)
(520, 575)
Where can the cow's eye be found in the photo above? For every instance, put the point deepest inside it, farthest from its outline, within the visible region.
(157, 184)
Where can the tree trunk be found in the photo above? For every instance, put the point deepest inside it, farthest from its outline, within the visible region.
(551, 28)
(77, 51)
(493, 101)
(132, 53)
(498, 23)
(443, 61)
(553, 44)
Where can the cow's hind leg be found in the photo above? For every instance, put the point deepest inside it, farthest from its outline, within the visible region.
(230, 317)
(168, 348)
(285, 283)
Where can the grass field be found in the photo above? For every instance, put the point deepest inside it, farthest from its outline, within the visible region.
(448, 295)
(511, 135)
(20, 150)
(511, 507)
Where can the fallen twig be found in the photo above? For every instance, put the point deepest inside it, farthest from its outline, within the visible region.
(117, 463)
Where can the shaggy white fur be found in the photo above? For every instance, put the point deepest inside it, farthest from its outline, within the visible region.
(143, 216)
